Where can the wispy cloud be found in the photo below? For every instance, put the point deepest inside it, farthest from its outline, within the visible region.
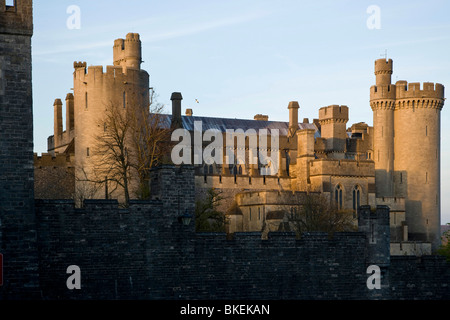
(195, 28)
(165, 31)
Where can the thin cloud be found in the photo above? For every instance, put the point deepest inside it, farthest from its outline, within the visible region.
(180, 31)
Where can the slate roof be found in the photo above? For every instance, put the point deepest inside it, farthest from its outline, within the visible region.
(222, 124)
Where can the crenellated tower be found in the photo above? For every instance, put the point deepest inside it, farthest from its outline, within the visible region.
(382, 102)
(123, 85)
(333, 120)
(18, 231)
(407, 121)
(127, 52)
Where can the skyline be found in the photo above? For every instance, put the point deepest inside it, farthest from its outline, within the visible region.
(240, 59)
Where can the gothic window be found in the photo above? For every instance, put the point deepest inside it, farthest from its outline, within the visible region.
(338, 196)
(356, 198)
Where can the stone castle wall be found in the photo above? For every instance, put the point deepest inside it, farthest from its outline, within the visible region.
(17, 219)
(143, 252)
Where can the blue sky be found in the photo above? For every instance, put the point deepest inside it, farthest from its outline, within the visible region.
(240, 58)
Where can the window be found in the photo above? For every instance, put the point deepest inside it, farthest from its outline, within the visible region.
(10, 3)
(338, 196)
(86, 100)
(356, 198)
(124, 98)
(250, 213)
(87, 152)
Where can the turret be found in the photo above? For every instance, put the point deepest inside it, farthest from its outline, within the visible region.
(382, 102)
(417, 123)
(333, 120)
(305, 154)
(383, 71)
(127, 52)
(406, 122)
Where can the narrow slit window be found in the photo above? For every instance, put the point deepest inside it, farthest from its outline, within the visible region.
(356, 198)
(338, 196)
(87, 152)
(86, 100)
(124, 98)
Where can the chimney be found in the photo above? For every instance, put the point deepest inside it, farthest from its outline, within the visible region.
(57, 126)
(293, 117)
(70, 120)
(176, 110)
(189, 112)
(261, 117)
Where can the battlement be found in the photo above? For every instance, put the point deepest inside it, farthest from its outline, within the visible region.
(346, 167)
(383, 92)
(242, 181)
(335, 113)
(16, 19)
(399, 96)
(383, 66)
(413, 90)
(49, 160)
(79, 64)
(267, 197)
(96, 74)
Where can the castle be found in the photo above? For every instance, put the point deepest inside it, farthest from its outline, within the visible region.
(351, 166)
(150, 251)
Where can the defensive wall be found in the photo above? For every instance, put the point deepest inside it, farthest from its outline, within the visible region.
(145, 252)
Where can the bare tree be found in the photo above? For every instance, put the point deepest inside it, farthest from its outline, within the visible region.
(112, 151)
(133, 140)
(317, 214)
(150, 141)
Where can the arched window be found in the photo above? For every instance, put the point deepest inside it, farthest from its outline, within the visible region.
(356, 198)
(338, 196)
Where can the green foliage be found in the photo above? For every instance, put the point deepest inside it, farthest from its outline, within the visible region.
(207, 217)
(445, 247)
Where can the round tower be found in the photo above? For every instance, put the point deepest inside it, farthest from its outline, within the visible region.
(123, 86)
(127, 52)
(417, 157)
(382, 102)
